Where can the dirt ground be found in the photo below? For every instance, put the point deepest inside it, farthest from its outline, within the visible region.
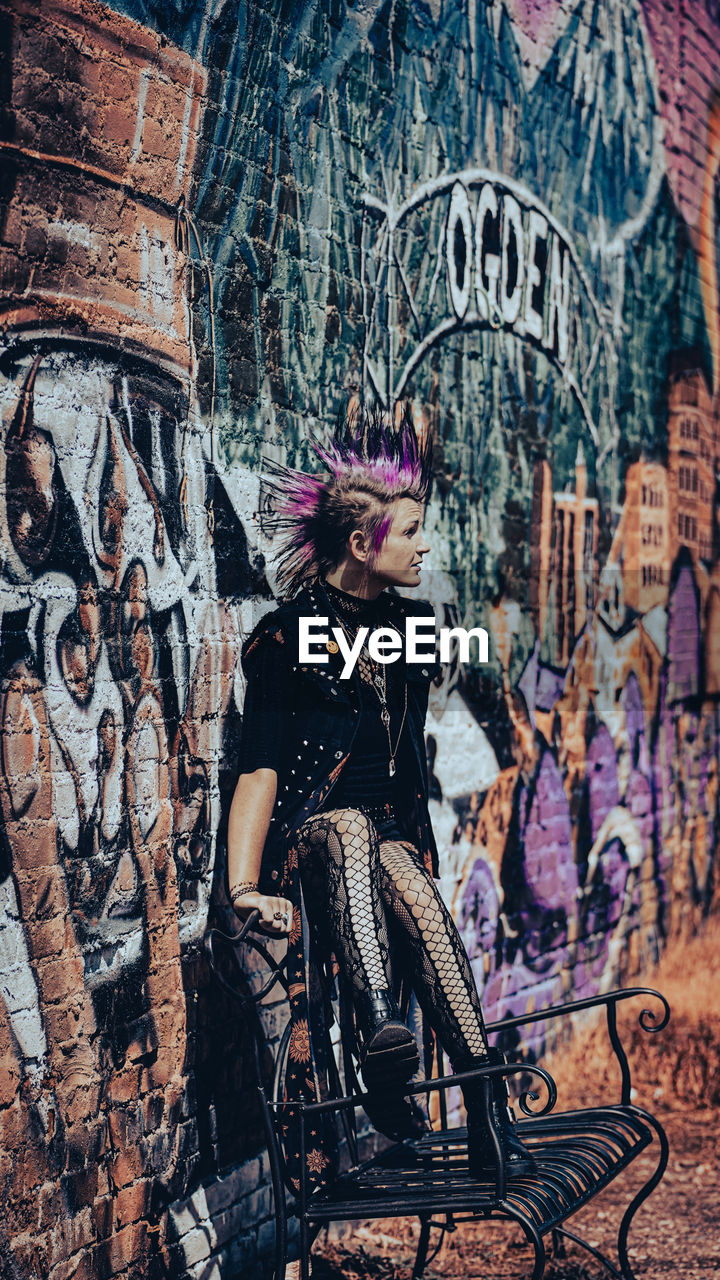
(676, 1075)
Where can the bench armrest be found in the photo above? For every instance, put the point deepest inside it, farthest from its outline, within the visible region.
(445, 1082)
(649, 1020)
(306, 1112)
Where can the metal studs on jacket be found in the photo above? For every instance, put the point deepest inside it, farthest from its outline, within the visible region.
(324, 709)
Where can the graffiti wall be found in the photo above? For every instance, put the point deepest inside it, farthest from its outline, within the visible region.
(217, 221)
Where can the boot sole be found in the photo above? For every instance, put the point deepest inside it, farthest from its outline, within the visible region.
(404, 1120)
(391, 1057)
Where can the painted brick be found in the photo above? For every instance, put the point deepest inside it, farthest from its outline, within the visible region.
(128, 1123)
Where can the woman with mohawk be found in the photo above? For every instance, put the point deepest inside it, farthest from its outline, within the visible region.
(330, 808)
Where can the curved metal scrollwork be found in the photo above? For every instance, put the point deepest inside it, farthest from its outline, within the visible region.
(647, 1016)
(531, 1095)
(647, 1020)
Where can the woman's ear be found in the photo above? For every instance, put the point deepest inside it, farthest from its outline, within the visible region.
(359, 545)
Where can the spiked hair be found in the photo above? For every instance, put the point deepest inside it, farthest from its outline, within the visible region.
(370, 463)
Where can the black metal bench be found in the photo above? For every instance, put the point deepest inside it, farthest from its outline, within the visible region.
(577, 1152)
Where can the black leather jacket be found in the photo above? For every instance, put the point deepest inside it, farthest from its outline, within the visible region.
(319, 720)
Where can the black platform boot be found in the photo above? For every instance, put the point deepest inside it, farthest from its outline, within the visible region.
(389, 1059)
(395, 1115)
(481, 1152)
(389, 1049)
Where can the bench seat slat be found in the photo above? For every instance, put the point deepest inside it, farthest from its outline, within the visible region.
(577, 1154)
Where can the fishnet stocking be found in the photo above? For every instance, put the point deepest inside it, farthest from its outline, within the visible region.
(359, 890)
(440, 968)
(340, 870)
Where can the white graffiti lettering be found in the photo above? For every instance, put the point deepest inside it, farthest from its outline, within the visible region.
(517, 268)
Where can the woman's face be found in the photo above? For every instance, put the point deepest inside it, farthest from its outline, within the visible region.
(398, 561)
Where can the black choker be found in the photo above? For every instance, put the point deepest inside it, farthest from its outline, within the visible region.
(353, 608)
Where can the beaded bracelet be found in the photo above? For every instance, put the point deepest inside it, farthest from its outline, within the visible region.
(239, 890)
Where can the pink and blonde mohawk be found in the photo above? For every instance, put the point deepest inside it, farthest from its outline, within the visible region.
(371, 461)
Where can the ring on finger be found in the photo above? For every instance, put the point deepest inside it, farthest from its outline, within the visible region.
(278, 915)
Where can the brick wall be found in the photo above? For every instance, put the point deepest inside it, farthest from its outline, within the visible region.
(216, 222)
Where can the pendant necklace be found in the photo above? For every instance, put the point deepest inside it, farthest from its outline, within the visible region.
(379, 683)
(379, 679)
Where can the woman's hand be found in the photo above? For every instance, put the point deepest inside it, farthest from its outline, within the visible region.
(276, 913)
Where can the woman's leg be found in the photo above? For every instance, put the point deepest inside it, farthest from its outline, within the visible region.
(340, 871)
(441, 972)
(350, 881)
(445, 986)
(340, 868)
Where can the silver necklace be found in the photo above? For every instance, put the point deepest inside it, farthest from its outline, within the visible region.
(379, 684)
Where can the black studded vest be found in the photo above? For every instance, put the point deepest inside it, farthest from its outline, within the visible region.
(318, 718)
